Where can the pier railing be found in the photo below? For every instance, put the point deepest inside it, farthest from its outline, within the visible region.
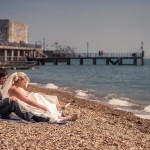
(21, 44)
(105, 55)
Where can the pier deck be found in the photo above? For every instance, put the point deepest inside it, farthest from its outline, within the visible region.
(110, 58)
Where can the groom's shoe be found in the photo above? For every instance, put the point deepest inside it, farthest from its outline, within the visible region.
(40, 119)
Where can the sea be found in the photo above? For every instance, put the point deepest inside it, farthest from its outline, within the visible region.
(124, 87)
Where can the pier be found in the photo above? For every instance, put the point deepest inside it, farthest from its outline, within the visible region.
(15, 49)
(131, 58)
(109, 58)
(21, 56)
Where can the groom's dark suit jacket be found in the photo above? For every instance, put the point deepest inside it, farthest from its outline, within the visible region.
(3, 102)
(0, 92)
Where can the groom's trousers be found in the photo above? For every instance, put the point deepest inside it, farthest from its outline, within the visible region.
(7, 107)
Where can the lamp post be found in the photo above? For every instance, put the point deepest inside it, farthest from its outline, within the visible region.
(56, 44)
(46, 46)
(44, 43)
(87, 49)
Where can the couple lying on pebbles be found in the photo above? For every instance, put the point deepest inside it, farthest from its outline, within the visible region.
(44, 108)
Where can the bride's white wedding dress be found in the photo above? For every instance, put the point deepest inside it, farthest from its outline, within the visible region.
(46, 100)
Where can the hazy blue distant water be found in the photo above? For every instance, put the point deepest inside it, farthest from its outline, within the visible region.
(125, 87)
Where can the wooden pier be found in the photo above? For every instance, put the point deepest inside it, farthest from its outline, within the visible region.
(109, 58)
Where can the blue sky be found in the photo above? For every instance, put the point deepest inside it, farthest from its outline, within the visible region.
(108, 25)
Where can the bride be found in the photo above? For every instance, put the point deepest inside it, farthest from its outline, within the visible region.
(38, 104)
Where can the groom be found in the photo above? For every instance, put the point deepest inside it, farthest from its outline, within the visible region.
(10, 104)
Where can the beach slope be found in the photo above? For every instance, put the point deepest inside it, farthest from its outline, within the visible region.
(100, 127)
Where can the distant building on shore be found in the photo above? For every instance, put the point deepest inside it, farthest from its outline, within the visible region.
(13, 31)
(14, 43)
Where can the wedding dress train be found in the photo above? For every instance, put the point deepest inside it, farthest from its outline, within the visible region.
(46, 100)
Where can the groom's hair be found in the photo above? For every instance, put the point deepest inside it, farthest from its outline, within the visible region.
(3, 72)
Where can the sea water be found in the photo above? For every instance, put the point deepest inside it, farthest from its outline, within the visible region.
(124, 87)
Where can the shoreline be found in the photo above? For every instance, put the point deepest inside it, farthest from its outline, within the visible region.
(100, 127)
(129, 106)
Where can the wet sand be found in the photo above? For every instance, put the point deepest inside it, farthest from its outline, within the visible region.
(100, 127)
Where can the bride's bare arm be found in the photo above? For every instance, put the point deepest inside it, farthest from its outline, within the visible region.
(13, 91)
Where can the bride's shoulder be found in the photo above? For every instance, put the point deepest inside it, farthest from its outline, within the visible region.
(16, 90)
(13, 88)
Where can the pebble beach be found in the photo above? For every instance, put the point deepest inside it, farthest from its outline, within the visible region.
(100, 127)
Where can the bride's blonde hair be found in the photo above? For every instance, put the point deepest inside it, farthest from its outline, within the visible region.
(11, 80)
(20, 76)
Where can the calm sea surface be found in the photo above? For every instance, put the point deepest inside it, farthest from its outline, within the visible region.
(124, 87)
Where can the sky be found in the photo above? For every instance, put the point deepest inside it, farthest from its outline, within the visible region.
(116, 26)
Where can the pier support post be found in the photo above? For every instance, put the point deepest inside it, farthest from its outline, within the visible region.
(55, 61)
(94, 61)
(42, 62)
(134, 61)
(120, 61)
(107, 61)
(68, 61)
(81, 61)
